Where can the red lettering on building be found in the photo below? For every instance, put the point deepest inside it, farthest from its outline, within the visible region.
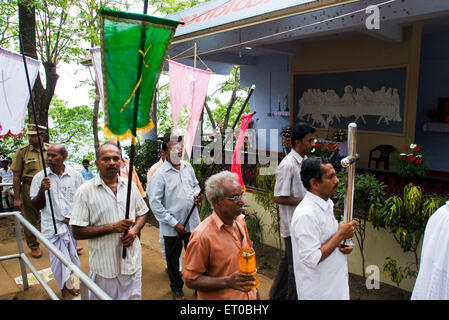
(234, 6)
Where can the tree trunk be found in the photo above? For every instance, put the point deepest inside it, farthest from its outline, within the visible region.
(231, 103)
(40, 95)
(95, 119)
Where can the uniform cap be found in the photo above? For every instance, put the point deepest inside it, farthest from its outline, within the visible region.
(32, 129)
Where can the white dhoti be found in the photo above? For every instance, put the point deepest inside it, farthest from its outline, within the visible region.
(64, 242)
(123, 287)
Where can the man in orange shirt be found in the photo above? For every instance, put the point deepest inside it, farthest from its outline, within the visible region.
(124, 173)
(211, 265)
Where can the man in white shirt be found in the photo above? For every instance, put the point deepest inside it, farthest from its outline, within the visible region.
(98, 215)
(150, 174)
(172, 192)
(321, 269)
(432, 282)
(62, 182)
(288, 192)
(6, 176)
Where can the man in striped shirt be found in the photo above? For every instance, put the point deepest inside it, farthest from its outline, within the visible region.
(99, 216)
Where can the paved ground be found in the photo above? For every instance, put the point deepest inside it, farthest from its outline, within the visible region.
(155, 283)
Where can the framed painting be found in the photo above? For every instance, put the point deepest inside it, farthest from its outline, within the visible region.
(376, 99)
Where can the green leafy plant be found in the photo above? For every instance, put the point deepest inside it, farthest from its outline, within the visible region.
(396, 272)
(202, 172)
(406, 217)
(369, 196)
(264, 196)
(254, 226)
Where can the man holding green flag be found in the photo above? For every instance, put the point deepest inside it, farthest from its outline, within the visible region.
(133, 51)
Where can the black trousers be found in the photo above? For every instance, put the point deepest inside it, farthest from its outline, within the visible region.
(284, 286)
(173, 245)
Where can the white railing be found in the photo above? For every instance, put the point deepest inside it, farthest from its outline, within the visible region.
(85, 282)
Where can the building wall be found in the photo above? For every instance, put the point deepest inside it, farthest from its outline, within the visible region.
(271, 75)
(363, 52)
(433, 84)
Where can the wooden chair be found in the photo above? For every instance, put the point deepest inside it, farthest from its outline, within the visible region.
(384, 151)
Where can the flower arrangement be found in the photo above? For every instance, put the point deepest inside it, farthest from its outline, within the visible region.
(411, 162)
(325, 149)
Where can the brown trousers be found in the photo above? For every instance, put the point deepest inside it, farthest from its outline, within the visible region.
(32, 215)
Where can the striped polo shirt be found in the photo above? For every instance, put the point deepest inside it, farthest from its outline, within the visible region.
(95, 204)
(289, 184)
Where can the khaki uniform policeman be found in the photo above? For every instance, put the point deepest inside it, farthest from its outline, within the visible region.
(27, 162)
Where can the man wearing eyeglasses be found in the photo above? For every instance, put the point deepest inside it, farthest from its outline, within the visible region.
(212, 254)
(172, 192)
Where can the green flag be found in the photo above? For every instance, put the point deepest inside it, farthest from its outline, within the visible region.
(133, 52)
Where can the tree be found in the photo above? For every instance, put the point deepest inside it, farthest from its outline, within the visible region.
(167, 7)
(8, 25)
(73, 129)
(49, 33)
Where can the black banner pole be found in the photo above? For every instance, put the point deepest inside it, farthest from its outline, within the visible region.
(37, 129)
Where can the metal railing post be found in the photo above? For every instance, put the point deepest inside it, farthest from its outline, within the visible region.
(88, 284)
(18, 228)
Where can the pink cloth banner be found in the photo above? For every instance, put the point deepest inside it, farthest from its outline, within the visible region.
(236, 160)
(188, 87)
(96, 63)
(14, 93)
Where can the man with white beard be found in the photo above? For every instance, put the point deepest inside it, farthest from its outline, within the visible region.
(173, 191)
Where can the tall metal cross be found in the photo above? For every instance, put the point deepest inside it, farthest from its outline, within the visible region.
(349, 164)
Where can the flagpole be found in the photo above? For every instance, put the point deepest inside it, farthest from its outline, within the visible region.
(253, 87)
(134, 125)
(37, 130)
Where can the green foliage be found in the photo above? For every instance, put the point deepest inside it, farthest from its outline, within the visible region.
(369, 195)
(396, 272)
(167, 7)
(225, 112)
(254, 226)
(146, 154)
(406, 217)
(265, 198)
(9, 28)
(73, 128)
(9, 146)
(202, 172)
